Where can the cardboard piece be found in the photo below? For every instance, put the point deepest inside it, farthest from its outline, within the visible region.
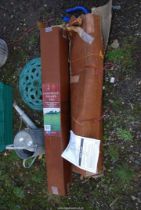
(105, 12)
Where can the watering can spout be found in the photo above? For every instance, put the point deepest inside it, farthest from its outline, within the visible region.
(24, 116)
(13, 147)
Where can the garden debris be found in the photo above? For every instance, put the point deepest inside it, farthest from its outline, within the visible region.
(83, 35)
(114, 201)
(136, 199)
(115, 44)
(112, 80)
(116, 7)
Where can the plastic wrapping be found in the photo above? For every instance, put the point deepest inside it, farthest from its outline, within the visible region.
(86, 64)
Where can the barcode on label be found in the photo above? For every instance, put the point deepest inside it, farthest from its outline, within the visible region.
(47, 128)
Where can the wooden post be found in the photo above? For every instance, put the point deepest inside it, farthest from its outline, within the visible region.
(55, 87)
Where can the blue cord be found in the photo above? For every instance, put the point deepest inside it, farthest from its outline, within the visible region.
(77, 8)
(66, 19)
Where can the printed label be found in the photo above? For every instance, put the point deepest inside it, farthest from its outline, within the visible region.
(51, 110)
(83, 152)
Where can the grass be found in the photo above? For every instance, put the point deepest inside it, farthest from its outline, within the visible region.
(122, 57)
(114, 152)
(116, 55)
(124, 174)
(18, 185)
(123, 54)
(124, 135)
(19, 192)
(116, 104)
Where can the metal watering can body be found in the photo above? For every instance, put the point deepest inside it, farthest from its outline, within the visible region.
(28, 144)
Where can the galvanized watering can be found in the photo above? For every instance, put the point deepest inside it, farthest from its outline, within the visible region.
(28, 144)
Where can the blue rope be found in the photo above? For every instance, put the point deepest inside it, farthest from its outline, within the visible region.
(66, 19)
(77, 8)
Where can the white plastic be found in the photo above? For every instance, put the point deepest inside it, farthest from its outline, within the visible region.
(3, 52)
(112, 80)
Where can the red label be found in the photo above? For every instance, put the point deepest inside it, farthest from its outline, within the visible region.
(51, 108)
(51, 95)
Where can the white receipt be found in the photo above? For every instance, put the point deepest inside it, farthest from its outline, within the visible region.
(83, 152)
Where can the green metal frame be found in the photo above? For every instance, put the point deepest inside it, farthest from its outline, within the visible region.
(6, 115)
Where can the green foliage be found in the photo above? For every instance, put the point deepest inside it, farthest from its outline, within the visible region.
(19, 192)
(124, 174)
(124, 134)
(38, 179)
(117, 104)
(12, 156)
(32, 39)
(114, 152)
(116, 55)
(112, 123)
(122, 56)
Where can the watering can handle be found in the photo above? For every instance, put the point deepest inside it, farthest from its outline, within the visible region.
(10, 147)
(13, 147)
(26, 163)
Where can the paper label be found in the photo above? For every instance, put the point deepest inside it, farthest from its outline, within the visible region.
(54, 190)
(48, 29)
(51, 110)
(83, 152)
(85, 36)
